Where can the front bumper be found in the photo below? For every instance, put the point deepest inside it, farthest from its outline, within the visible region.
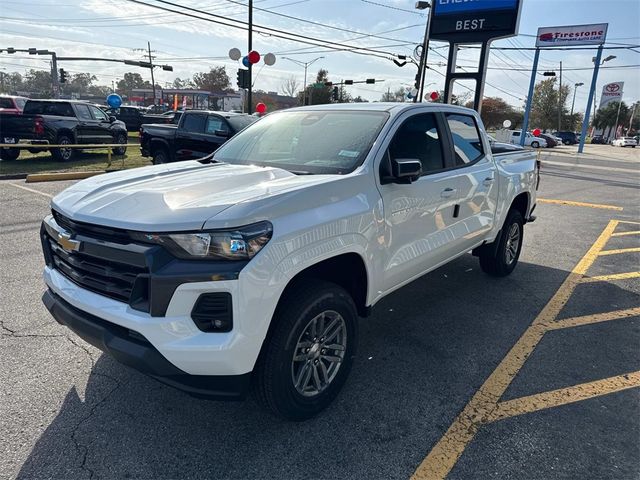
(131, 348)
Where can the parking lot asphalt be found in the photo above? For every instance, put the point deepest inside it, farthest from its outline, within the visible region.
(458, 375)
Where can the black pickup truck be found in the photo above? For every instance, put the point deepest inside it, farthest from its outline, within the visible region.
(134, 117)
(59, 122)
(197, 134)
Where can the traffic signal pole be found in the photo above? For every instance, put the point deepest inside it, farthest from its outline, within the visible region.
(249, 50)
(532, 84)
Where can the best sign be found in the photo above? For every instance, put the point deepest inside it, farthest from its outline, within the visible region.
(572, 35)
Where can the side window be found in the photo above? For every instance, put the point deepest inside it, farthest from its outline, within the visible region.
(215, 123)
(6, 103)
(83, 112)
(466, 138)
(98, 114)
(194, 123)
(418, 138)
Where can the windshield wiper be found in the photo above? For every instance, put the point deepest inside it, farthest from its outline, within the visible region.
(299, 172)
(208, 159)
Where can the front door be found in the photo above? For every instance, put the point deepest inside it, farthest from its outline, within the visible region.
(101, 126)
(419, 215)
(86, 124)
(190, 135)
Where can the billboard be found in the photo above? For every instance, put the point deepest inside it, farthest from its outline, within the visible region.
(611, 92)
(474, 21)
(594, 34)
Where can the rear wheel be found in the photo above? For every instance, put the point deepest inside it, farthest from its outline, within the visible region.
(500, 260)
(9, 153)
(309, 354)
(160, 156)
(121, 138)
(63, 154)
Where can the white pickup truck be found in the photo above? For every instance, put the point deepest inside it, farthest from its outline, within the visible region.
(249, 269)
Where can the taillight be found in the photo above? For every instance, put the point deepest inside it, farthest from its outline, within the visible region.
(38, 126)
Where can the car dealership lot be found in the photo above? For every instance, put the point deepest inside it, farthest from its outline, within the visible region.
(436, 388)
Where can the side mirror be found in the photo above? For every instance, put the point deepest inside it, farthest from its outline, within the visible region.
(112, 118)
(222, 133)
(405, 170)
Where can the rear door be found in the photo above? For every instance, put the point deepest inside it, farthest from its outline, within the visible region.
(102, 126)
(86, 132)
(475, 175)
(190, 136)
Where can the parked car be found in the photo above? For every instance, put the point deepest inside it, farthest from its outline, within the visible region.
(249, 268)
(513, 136)
(598, 140)
(625, 142)
(550, 139)
(12, 104)
(568, 138)
(60, 122)
(198, 133)
(135, 117)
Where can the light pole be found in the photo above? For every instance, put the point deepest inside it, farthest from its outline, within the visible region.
(422, 68)
(305, 65)
(575, 87)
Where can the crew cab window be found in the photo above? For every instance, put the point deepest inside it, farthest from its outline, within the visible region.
(466, 138)
(98, 114)
(6, 103)
(194, 123)
(215, 123)
(83, 112)
(42, 107)
(418, 138)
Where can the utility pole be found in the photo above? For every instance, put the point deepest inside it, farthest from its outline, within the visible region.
(633, 112)
(153, 82)
(249, 50)
(615, 133)
(560, 101)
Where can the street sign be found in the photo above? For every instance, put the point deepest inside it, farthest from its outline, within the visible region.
(572, 35)
(473, 21)
(611, 92)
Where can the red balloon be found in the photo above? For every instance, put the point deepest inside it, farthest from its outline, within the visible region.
(536, 132)
(434, 96)
(261, 108)
(254, 57)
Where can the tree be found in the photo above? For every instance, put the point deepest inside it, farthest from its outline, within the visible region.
(290, 86)
(215, 80)
(359, 99)
(180, 83)
(38, 82)
(321, 94)
(495, 111)
(11, 82)
(396, 96)
(544, 107)
(130, 81)
(606, 116)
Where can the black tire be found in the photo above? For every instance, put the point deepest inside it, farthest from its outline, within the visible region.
(496, 260)
(9, 153)
(160, 156)
(122, 139)
(63, 154)
(274, 376)
(535, 145)
(566, 142)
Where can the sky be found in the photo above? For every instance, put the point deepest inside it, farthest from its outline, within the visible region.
(115, 28)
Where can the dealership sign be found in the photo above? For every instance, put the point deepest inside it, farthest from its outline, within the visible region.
(572, 35)
(611, 92)
(459, 21)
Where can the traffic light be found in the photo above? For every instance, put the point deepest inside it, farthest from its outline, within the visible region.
(417, 84)
(348, 82)
(243, 78)
(549, 74)
(370, 80)
(63, 76)
(335, 94)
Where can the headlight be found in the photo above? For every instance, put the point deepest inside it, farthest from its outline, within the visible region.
(241, 243)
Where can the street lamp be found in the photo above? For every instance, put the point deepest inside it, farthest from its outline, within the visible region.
(423, 55)
(609, 58)
(575, 87)
(305, 65)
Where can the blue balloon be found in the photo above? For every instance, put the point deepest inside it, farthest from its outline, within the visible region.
(246, 62)
(114, 100)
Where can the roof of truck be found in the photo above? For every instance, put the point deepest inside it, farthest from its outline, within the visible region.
(391, 107)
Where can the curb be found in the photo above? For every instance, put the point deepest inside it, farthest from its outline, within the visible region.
(53, 177)
(13, 176)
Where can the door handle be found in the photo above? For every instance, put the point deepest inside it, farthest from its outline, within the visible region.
(448, 192)
(487, 181)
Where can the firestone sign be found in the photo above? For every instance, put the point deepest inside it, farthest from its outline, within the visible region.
(572, 35)
(611, 92)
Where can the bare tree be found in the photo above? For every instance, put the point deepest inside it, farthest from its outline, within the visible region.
(290, 86)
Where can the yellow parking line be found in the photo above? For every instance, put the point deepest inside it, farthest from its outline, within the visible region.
(564, 396)
(622, 234)
(620, 250)
(444, 455)
(609, 278)
(580, 204)
(595, 318)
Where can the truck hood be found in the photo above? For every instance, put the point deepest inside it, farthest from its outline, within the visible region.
(175, 197)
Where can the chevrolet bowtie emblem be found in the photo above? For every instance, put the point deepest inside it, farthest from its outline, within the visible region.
(65, 241)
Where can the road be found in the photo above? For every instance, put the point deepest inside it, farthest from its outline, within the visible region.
(452, 376)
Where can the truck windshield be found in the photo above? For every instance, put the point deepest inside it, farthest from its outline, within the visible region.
(311, 142)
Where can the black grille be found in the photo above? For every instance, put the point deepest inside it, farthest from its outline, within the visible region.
(109, 234)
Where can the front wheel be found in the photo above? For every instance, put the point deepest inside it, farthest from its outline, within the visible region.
(121, 138)
(160, 156)
(309, 354)
(535, 145)
(500, 260)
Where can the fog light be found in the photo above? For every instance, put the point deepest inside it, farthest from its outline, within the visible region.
(213, 312)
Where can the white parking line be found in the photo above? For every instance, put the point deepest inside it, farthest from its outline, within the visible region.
(31, 190)
(593, 167)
